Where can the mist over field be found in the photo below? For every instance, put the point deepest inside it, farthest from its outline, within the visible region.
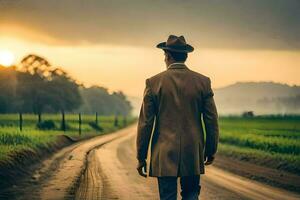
(259, 97)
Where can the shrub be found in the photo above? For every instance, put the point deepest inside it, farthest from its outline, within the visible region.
(248, 114)
(95, 126)
(46, 125)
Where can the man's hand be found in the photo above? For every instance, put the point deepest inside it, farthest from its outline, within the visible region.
(209, 160)
(142, 168)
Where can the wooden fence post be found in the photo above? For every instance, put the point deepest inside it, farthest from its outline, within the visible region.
(63, 122)
(20, 121)
(116, 121)
(96, 118)
(39, 117)
(79, 123)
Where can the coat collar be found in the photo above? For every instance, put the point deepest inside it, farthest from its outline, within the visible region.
(177, 66)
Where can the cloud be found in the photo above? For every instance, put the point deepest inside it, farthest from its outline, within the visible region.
(242, 24)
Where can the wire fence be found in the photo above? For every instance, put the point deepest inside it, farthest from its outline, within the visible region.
(63, 121)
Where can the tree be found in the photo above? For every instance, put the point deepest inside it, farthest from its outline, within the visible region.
(97, 99)
(8, 82)
(42, 86)
(64, 92)
(34, 64)
(37, 86)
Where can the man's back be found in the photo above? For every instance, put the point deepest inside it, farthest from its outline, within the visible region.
(177, 97)
(173, 103)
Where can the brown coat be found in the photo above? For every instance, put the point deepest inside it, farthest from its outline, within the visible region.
(173, 104)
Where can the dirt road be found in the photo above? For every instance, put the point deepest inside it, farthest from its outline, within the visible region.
(111, 174)
(104, 168)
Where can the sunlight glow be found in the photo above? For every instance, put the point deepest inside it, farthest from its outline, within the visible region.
(7, 58)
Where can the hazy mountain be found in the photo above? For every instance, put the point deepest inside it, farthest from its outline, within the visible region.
(260, 97)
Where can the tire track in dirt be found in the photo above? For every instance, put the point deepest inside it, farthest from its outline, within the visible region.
(65, 179)
(111, 171)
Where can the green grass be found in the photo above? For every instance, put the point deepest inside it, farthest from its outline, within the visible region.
(270, 141)
(12, 140)
(29, 120)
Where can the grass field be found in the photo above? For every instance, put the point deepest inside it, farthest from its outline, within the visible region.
(13, 141)
(272, 141)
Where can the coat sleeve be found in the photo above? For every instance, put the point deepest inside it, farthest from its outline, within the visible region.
(145, 123)
(210, 117)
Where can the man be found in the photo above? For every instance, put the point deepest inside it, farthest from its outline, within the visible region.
(173, 104)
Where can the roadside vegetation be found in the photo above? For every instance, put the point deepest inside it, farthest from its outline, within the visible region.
(36, 86)
(272, 141)
(32, 138)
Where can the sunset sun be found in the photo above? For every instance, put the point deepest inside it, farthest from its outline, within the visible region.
(7, 58)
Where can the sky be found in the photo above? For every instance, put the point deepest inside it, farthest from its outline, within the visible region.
(112, 42)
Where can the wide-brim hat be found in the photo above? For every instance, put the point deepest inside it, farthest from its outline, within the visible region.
(177, 44)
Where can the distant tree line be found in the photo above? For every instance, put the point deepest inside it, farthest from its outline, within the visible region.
(35, 86)
(97, 99)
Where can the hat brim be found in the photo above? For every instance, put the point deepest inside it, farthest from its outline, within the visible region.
(184, 49)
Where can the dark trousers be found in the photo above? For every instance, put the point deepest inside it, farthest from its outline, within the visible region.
(190, 187)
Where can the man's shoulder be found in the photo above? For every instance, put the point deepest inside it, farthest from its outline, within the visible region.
(156, 76)
(192, 74)
(199, 76)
